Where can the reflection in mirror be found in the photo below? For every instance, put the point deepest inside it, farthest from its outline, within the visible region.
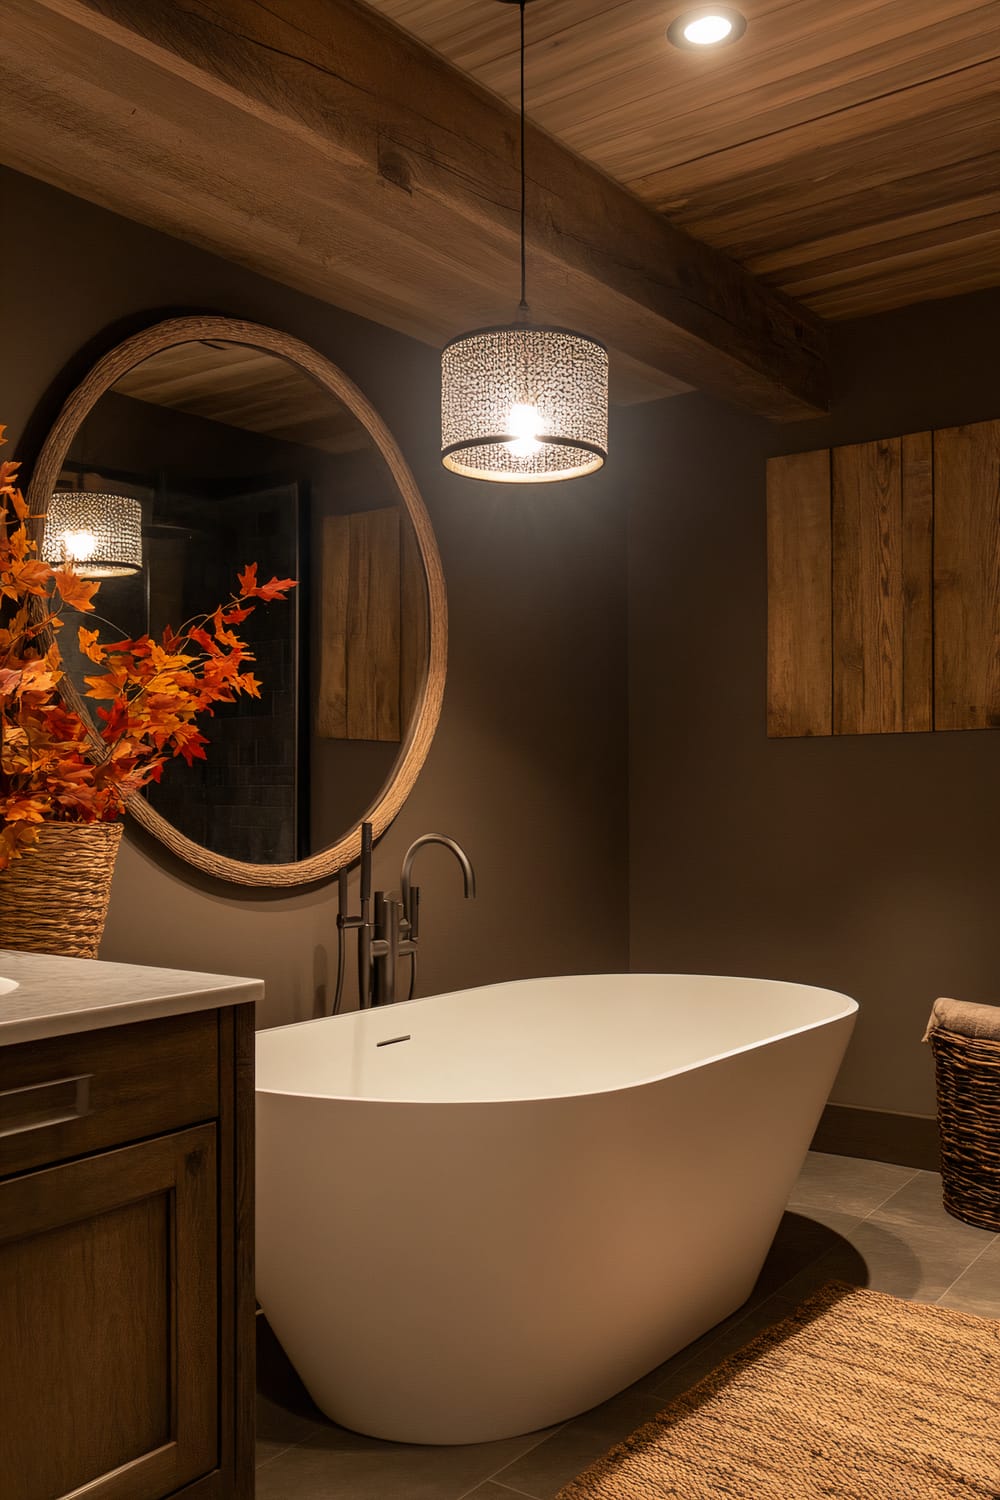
(237, 455)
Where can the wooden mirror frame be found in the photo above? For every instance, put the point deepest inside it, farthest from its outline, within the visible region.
(414, 748)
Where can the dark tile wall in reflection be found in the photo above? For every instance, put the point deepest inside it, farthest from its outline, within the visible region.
(241, 801)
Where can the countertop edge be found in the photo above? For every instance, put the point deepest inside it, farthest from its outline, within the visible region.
(100, 1015)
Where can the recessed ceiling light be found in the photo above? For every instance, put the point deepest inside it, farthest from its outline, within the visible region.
(706, 26)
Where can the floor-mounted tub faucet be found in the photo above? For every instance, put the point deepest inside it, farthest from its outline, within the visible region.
(391, 932)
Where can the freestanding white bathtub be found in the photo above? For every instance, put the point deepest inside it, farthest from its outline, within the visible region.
(484, 1212)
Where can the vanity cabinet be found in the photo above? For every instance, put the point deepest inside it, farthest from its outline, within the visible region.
(126, 1292)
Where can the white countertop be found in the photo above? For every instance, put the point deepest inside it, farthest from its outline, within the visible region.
(57, 996)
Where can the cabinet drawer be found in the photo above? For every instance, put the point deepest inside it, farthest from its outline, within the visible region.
(65, 1096)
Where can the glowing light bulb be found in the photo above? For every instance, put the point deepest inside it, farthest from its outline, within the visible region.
(525, 423)
(707, 29)
(78, 546)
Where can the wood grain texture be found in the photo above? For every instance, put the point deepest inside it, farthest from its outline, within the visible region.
(420, 732)
(334, 604)
(309, 103)
(144, 1078)
(237, 1333)
(244, 1302)
(413, 616)
(245, 388)
(799, 665)
(867, 589)
(882, 609)
(228, 1249)
(77, 1282)
(967, 577)
(361, 627)
(915, 599)
(917, 581)
(214, 1486)
(821, 121)
(125, 1240)
(373, 627)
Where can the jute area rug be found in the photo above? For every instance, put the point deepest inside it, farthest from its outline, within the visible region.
(856, 1396)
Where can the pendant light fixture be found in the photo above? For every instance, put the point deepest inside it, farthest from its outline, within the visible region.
(100, 534)
(524, 403)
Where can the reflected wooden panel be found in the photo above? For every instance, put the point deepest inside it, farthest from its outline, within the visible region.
(373, 626)
(415, 639)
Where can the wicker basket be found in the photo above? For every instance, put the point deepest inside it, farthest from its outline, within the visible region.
(968, 1091)
(54, 896)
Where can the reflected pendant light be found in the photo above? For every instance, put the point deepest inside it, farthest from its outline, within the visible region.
(100, 534)
(524, 403)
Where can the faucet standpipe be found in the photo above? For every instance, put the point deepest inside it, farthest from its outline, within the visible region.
(393, 933)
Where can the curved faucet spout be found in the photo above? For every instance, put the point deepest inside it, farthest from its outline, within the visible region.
(405, 882)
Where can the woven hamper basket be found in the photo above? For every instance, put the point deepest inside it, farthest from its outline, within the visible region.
(54, 896)
(968, 1092)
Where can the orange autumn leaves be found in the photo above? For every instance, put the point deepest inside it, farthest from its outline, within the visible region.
(149, 693)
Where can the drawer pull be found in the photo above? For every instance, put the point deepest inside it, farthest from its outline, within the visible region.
(43, 1104)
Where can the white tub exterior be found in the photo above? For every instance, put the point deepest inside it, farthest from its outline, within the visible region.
(551, 1187)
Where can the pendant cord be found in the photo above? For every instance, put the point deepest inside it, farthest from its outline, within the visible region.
(523, 306)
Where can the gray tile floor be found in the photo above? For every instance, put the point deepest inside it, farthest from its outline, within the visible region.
(864, 1222)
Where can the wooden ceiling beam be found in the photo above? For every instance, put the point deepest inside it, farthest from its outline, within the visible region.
(315, 142)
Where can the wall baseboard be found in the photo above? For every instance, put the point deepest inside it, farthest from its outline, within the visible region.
(908, 1140)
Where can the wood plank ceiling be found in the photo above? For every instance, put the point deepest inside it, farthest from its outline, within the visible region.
(246, 388)
(318, 143)
(847, 152)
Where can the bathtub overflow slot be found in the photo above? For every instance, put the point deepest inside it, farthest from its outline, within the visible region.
(391, 1040)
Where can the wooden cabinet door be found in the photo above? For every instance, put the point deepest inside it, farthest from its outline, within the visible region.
(108, 1323)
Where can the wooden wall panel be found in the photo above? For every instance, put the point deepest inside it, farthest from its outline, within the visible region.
(373, 627)
(799, 662)
(967, 577)
(413, 625)
(881, 508)
(850, 589)
(365, 676)
(335, 566)
(867, 589)
(918, 602)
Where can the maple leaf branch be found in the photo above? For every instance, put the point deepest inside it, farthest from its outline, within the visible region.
(62, 765)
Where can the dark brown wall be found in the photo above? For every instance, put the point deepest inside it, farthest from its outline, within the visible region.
(871, 863)
(528, 768)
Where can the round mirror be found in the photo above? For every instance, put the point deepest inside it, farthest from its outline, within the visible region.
(205, 444)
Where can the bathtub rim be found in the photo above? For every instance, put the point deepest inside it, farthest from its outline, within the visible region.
(849, 1011)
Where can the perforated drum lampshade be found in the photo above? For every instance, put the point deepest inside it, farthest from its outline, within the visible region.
(100, 534)
(524, 404)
